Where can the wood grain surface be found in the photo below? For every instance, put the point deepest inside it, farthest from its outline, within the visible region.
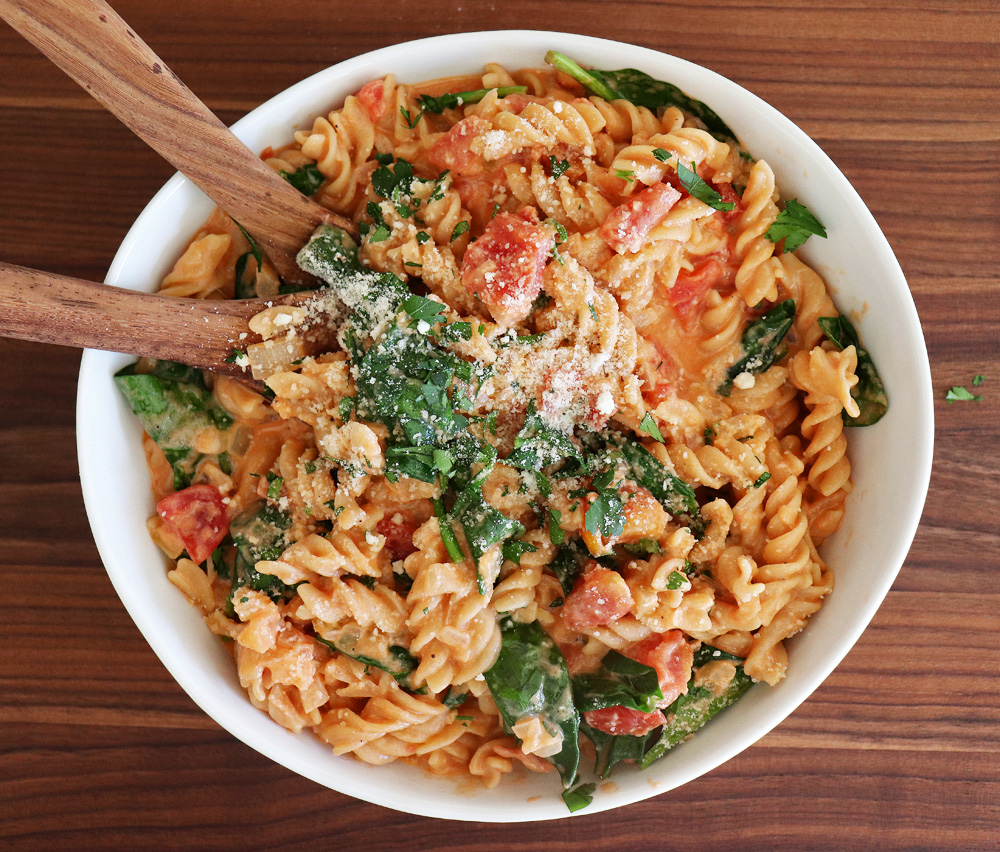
(899, 749)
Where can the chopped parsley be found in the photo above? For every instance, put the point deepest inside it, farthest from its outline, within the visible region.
(513, 550)
(795, 224)
(648, 425)
(274, 483)
(558, 167)
(605, 515)
(557, 535)
(411, 121)
(579, 797)
(306, 179)
(701, 190)
(960, 394)
(461, 228)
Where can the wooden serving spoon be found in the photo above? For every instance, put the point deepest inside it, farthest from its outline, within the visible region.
(91, 43)
(48, 308)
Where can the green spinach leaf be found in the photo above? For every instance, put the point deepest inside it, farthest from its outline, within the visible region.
(760, 343)
(869, 392)
(619, 681)
(530, 678)
(640, 89)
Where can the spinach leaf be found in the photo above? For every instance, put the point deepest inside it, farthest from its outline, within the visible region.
(579, 797)
(173, 405)
(454, 697)
(530, 678)
(760, 343)
(676, 496)
(484, 525)
(869, 392)
(514, 549)
(306, 179)
(642, 90)
(568, 563)
(332, 256)
(612, 750)
(403, 381)
(619, 681)
(538, 445)
(260, 533)
(394, 659)
(696, 707)
(452, 100)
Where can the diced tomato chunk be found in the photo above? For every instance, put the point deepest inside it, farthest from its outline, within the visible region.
(599, 597)
(672, 657)
(729, 196)
(505, 266)
(453, 152)
(398, 531)
(372, 97)
(619, 721)
(626, 227)
(690, 287)
(198, 517)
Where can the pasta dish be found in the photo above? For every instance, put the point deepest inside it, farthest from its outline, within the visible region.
(545, 463)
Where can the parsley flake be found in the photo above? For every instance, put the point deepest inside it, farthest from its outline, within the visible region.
(960, 394)
(701, 190)
(558, 167)
(274, 483)
(648, 425)
(794, 225)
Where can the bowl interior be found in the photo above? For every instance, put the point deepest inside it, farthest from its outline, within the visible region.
(891, 460)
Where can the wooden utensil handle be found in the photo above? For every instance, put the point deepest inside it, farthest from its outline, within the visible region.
(50, 308)
(91, 43)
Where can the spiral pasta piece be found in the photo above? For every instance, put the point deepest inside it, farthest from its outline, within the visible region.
(826, 377)
(536, 433)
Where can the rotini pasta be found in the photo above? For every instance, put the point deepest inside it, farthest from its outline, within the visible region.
(580, 420)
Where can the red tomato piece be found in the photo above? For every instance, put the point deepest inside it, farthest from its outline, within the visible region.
(198, 517)
(729, 196)
(398, 531)
(506, 264)
(672, 657)
(690, 287)
(599, 597)
(452, 151)
(626, 227)
(372, 97)
(620, 720)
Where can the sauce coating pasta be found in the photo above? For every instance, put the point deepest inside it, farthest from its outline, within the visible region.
(566, 474)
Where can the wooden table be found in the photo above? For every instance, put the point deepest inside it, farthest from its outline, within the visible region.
(899, 749)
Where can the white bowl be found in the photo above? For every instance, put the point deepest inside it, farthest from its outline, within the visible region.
(891, 461)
